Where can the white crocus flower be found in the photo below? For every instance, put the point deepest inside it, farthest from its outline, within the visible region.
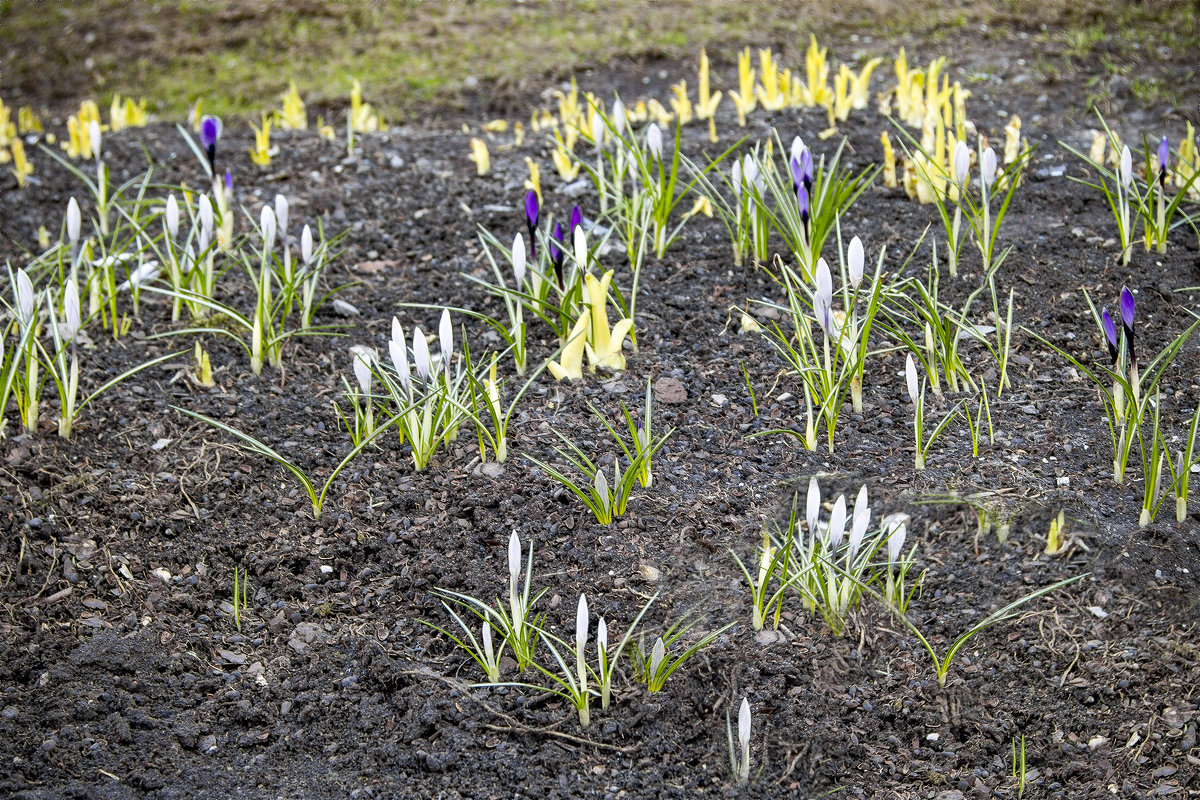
(306, 245)
(206, 217)
(987, 169)
(398, 350)
(94, 138)
(895, 541)
(910, 376)
(855, 260)
(1126, 166)
(488, 651)
(514, 561)
(281, 216)
(602, 636)
(736, 175)
(618, 117)
(446, 339)
(581, 629)
(654, 142)
(744, 735)
(823, 298)
(859, 521)
(962, 163)
(421, 359)
(581, 251)
(172, 217)
(71, 321)
(749, 170)
(837, 523)
(364, 358)
(268, 227)
(813, 509)
(598, 129)
(518, 260)
(74, 221)
(24, 298)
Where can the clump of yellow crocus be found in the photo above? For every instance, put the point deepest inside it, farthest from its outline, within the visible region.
(570, 363)
(534, 184)
(816, 92)
(21, 167)
(743, 99)
(567, 167)
(768, 90)
(681, 104)
(125, 113)
(479, 154)
(707, 102)
(604, 345)
(293, 115)
(362, 118)
(889, 161)
(8, 131)
(1188, 163)
(261, 153)
(27, 121)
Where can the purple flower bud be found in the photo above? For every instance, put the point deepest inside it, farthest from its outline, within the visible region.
(1110, 334)
(1127, 321)
(556, 252)
(210, 132)
(228, 181)
(531, 208)
(531, 221)
(1164, 156)
(802, 201)
(576, 220)
(797, 174)
(806, 168)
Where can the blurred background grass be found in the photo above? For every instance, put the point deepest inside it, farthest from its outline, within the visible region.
(493, 57)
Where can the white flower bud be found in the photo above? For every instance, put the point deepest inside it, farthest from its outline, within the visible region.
(172, 217)
(268, 227)
(306, 245)
(74, 221)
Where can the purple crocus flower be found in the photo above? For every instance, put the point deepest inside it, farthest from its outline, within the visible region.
(556, 253)
(797, 174)
(531, 220)
(210, 132)
(576, 221)
(229, 182)
(1164, 155)
(1110, 335)
(806, 168)
(802, 201)
(1127, 311)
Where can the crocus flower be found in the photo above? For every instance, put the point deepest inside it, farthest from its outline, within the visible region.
(598, 130)
(171, 217)
(420, 349)
(228, 184)
(398, 350)
(581, 624)
(518, 259)
(823, 297)
(837, 523)
(94, 138)
(531, 220)
(74, 220)
(962, 163)
(654, 143)
(1110, 335)
(806, 168)
(363, 357)
(1126, 166)
(802, 202)
(556, 253)
(736, 175)
(987, 169)
(744, 740)
(855, 259)
(1127, 311)
(749, 170)
(910, 377)
(859, 522)
(71, 322)
(794, 164)
(618, 117)
(1164, 155)
(24, 298)
(281, 216)
(306, 245)
(797, 148)
(206, 215)
(514, 560)
(446, 338)
(210, 132)
(268, 227)
(813, 505)
(576, 220)
(895, 541)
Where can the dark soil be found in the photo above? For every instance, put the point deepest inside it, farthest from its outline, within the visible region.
(123, 674)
